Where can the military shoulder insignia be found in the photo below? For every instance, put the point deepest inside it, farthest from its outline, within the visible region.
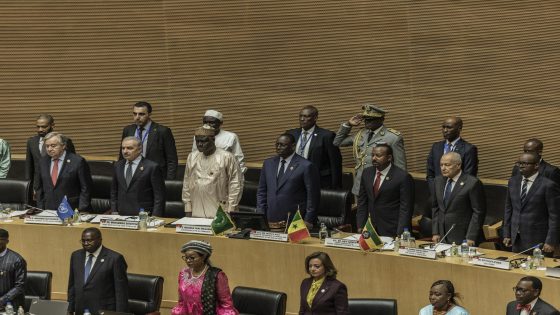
(391, 130)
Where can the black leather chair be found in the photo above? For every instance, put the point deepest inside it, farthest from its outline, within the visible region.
(15, 193)
(248, 202)
(144, 293)
(174, 207)
(372, 306)
(423, 206)
(104, 168)
(253, 301)
(101, 193)
(17, 169)
(37, 286)
(335, 209)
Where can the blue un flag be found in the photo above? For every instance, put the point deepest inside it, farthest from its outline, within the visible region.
(64, 209)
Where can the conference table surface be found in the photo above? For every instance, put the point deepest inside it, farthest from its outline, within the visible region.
(280, 266)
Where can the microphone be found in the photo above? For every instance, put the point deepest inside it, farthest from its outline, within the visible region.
(441, 239)
(287, 223)
(32, 210)
(528, 249)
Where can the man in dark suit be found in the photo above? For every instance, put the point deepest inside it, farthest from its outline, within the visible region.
(460, 201)
(63, 173)
(316, 145)
(36, 148)
(545, 169)
(527, 300)
(158, 144)
(137, 182)
(97, 279)
(287, 183)
(451, 129)
(532, 208)
(13, 274)
(386, 194)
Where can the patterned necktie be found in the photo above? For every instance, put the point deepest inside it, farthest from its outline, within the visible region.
(376, 184)
(42, 146)
(54, 172)
(281, 171)
(303, 143)
(128, 175)
(447, 191)
(524, 189)
(526, 307)
(87, 268)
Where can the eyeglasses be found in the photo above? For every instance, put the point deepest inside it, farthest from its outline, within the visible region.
(518, 289)
(190, 258)
(88, 241)
(524, 163)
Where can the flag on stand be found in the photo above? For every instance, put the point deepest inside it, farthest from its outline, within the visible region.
(222, 222)
(64, 209)
(297, 230)
(369, 240)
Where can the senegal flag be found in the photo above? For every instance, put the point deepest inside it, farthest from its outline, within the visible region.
(369, 239)
(297, 230)
(222, 222)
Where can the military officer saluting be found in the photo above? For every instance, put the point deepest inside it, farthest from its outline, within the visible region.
(365, 139)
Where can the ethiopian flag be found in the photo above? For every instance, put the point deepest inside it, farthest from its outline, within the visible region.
(369, 239)
(222, 222)
(297, 230)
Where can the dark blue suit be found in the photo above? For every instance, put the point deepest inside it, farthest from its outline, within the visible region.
(74, 181)
(536, 219)
(331, 299)
(299, 186)
(324, 155)
(469, 156)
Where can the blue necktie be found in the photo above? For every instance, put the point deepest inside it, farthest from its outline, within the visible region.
(447, 191)
(447, 147)
(87, 269)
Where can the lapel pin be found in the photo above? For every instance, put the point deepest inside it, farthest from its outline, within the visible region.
(102, 260)
(68, 161)
(462, 183)
(387, 178)
(322, 290)
(315, 134)
(141, 168)
(291, 168)
(1, 273)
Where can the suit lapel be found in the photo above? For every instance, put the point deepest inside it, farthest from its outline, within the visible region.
(98, 263)
(81, 265)
(63, 168)
(386, 180)
(137, 173)
(459, 147)
(313, 142)
(290, 169)
(440, 186)
(151, 136)
(456, 188)
(322, 293)
(534, 187)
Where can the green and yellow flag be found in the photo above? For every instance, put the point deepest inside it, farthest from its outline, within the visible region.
(222, 222)
(297, 230)
(369, 240)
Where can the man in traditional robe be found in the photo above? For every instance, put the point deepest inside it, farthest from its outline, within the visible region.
(212, 177)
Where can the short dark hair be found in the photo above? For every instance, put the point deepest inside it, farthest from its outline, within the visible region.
(540, 144)
(144, 104)
(536, 282)
(535, 156)
(449, 287)
(288, 135)
(330, 270)
(95, 231)
(4, 233)
(49, 118)
(384, 145)
(311, 108)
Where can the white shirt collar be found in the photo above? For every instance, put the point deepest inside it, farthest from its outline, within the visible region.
(96, 253)
(2, 254)
(62, 156)
(288, 159)
(456, 177)
(310, 131)
(385, 171)
(532, 177)
(454, 142)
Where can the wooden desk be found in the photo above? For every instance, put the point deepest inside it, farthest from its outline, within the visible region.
(279, 266)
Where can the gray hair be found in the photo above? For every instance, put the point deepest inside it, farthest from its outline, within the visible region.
(455, 157)
(61, 138)
(134, 139)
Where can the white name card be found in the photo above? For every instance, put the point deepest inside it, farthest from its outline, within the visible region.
(552, 272)
(194, 229)
(418, 252)
(119, 224)
(342, 243)
(43, 220)
(269, 236)
(492, 263)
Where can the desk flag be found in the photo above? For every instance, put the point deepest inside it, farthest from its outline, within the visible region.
(64, 209)
(222, 222)
(369, 240)
(297, 230)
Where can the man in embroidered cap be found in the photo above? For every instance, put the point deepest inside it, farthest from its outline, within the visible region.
(223, 139)
(212, 177)
(203, 288)
(364, 140)
(12, 275)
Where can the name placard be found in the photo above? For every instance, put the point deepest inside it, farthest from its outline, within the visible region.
(119, 224)
(418, 252)
(492, 263)
(43, 220)
(552, 272)
(342, 243)
(269, 236)
(194, 229)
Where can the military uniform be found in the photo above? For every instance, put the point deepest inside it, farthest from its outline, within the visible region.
(362, 147)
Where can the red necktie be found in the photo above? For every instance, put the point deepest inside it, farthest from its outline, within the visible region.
(376, 184)
(54, 173)
(526, 307)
